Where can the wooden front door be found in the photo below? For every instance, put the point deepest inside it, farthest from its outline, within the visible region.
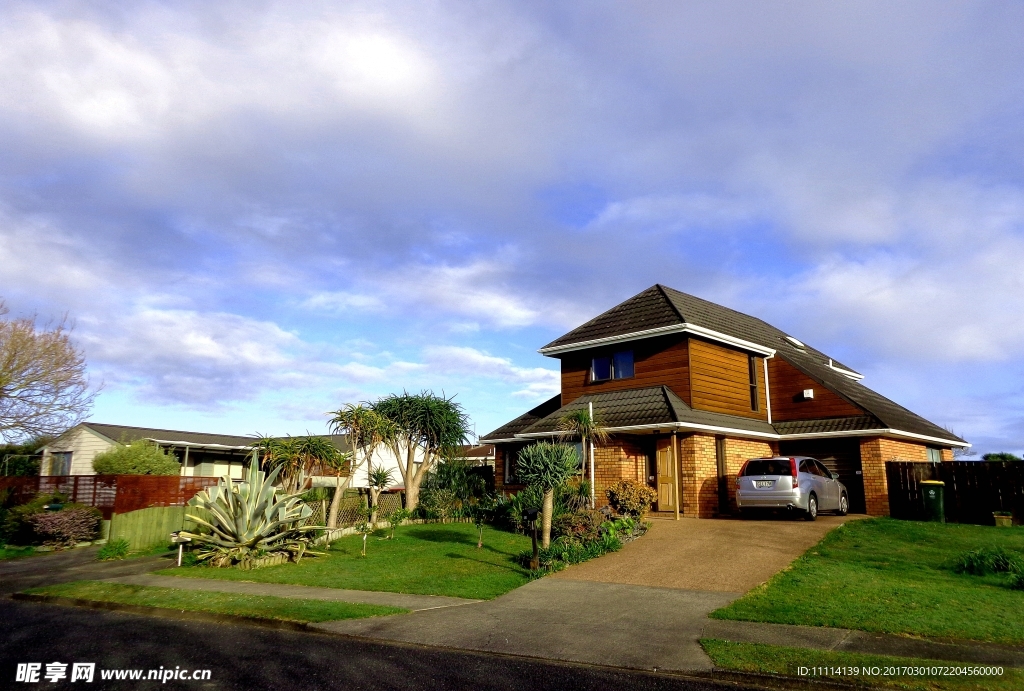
(666, 478)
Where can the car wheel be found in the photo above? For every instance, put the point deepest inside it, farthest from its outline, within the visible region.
(812, 507)
(844, 505)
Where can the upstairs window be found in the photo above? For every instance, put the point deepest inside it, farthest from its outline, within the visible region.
(618, 366)
(752, 369)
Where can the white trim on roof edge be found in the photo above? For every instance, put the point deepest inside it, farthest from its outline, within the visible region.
(761, 435)
(662, 330)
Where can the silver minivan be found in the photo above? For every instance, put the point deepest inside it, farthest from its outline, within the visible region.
(798, 483)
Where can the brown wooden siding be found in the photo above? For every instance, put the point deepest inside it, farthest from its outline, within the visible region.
(656, 362)
(788, 403)
(720, 380)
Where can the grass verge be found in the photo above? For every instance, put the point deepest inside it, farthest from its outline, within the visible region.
(431, 559)
(894, 577)
(16, 552)
(264, 607)
(776, 659)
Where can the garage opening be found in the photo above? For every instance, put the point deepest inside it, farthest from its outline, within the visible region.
(840, 456)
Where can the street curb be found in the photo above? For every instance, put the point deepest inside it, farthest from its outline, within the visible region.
(165, 612)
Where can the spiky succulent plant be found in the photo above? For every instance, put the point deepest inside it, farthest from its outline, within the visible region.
(251, 523)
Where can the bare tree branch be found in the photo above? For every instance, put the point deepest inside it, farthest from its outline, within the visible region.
(43, 385)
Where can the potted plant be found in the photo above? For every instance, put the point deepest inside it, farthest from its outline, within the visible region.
(1004, 519)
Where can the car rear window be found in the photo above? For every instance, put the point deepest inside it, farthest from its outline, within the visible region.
(768, 466)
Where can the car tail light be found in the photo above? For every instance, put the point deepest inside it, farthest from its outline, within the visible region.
(796, 474)
(743, 471)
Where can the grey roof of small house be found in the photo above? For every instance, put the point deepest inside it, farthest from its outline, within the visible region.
(124, 433)
(648, 406)
(661, 306)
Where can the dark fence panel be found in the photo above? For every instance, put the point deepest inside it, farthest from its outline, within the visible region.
(143, 491)
(109, 493)
(974, 490)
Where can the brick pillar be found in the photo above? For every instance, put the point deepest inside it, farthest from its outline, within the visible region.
(874, 452)
(699, 475)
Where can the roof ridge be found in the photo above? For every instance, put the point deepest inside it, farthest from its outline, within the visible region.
(662, 289)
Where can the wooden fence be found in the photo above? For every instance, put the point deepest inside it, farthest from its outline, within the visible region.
(973, 491)
(109, 493)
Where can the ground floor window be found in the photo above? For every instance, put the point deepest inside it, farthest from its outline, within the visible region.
(60, 463)
(934, 455)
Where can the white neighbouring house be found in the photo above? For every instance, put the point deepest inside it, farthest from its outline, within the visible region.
(200, 453)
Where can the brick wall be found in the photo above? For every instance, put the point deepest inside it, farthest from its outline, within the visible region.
(738, 452)
(620, 458)
(874, 452)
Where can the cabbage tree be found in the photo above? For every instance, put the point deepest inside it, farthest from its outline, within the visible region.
(547, 466)
(250, 521)
(426, 428)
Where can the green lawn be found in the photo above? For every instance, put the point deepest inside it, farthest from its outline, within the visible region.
(775, 659)
(15, 552)
(894, 577)
(265, 607)
(431, 559)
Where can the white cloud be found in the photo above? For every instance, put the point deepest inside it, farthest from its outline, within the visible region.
(462, 361)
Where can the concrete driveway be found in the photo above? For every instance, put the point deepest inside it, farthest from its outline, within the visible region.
(644, 607)
(720, 555)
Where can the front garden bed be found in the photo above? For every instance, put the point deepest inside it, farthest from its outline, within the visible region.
(896, 577)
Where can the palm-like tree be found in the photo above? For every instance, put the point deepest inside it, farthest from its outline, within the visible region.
(298, 457)
(547, 466)
(583, 425)
(366, 431)
(425, 424)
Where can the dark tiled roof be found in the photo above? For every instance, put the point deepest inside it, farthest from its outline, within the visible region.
(509, 430)
(655, 405)
(647, 310)
(835, 424)
(123, 433)
(662, 306)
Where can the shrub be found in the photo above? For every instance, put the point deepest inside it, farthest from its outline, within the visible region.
(573, 496)
(440, 502)
(68, 526)
(631, 498)
(981, 562)
(17, 528)
(138, 458)
(115, 549)
(582, 525)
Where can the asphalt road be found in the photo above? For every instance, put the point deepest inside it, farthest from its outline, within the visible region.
(251, 658)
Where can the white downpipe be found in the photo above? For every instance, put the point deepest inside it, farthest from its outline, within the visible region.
(767, 389)
(593, 493)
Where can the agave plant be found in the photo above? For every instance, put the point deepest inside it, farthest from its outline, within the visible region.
(251, 523)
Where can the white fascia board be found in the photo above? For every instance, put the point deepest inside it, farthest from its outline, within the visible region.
(660, 331)
(197, 445)
(762, 435)
(500, 441)
(666, 426)
(937, 440)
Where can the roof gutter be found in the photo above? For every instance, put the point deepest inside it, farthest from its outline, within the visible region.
(197, 445)
(661, 331)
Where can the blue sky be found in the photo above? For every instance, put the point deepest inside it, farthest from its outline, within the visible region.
(256, 212)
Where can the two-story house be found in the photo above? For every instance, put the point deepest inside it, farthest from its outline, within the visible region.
(689, 390)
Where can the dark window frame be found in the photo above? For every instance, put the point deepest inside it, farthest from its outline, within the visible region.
(755, 394)
(612, 369)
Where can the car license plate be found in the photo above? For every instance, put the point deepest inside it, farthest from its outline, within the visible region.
(763, 483)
